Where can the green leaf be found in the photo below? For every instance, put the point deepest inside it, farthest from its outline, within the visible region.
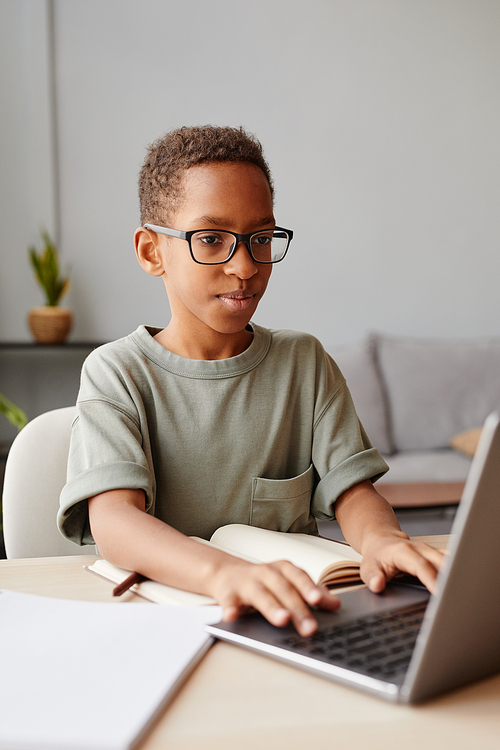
(46, 267)
(14, 414)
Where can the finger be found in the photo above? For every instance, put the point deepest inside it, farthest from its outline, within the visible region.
(258, 591)
(432, 553)
(416, 559)
(425, 571)
(376, 582)
(314, 595)
(265, 597)
(232, 606)
(266, 605)
(276, 590)
(295, 590)
(375, 575)
(423, 562)
(435, 556)
(232, 612)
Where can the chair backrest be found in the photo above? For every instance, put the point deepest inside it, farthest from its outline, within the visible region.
(35, 474)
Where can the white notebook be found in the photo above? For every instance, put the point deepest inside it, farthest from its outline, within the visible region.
(91, 676)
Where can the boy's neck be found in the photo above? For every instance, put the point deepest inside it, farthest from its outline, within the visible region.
(214, 345)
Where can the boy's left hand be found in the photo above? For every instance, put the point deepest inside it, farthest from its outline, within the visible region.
(370, 526)
(384, 555)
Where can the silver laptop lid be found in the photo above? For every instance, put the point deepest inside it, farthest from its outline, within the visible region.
(459, 641)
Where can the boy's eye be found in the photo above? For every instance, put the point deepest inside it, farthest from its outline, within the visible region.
(211, 247)
(208, 239)
(262, 240)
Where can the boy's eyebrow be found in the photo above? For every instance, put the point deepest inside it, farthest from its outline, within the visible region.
(222, 222)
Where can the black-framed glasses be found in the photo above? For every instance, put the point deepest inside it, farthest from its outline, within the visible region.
(213, 246)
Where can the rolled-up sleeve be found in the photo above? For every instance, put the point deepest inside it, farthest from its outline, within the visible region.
(342, 454)
(106, 453)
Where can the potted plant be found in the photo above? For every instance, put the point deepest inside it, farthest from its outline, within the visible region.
(49, 324)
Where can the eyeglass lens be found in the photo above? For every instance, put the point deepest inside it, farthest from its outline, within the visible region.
(216, 247)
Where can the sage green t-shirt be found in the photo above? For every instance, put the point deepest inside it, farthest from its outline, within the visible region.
(268, 438)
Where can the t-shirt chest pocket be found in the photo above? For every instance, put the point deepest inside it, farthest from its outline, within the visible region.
(283, 504)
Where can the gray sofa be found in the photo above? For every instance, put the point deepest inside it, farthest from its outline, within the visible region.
(413, 397)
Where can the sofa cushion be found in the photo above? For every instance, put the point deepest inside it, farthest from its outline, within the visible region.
(443, 465)
(436, 389)
(357, 362)
(467, 442)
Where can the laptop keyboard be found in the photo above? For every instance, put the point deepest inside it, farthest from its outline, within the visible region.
(379, 645)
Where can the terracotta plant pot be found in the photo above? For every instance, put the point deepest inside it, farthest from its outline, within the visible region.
(50, 325)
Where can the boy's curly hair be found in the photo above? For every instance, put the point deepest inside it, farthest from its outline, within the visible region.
(178, 150)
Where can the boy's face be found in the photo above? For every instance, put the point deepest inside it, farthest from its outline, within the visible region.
(217, 299)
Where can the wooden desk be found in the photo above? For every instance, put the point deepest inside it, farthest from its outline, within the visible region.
(236, 700)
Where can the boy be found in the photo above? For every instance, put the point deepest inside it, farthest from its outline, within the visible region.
(214, 420)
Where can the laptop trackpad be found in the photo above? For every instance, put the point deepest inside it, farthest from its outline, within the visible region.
(363, 602)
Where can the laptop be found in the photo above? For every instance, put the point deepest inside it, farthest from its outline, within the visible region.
(406, 645)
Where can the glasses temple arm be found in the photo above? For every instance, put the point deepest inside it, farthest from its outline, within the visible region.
(164, 230)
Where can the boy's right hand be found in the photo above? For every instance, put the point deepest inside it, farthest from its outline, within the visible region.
(130, 538)
(279, 590)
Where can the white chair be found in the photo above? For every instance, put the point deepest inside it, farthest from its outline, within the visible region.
(35, 474)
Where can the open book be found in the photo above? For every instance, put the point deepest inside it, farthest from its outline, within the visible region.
(327, 562)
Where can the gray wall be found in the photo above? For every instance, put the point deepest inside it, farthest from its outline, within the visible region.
(380, 118)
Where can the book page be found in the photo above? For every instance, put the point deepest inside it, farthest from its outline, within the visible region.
(234, 552)
(343, 550)
(312, 554)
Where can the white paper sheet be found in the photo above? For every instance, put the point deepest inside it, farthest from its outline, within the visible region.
(87, 675)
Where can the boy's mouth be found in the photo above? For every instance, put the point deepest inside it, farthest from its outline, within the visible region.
(236, 301)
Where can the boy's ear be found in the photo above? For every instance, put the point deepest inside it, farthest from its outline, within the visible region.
(146, 249)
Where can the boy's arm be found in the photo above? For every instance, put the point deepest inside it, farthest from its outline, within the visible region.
(371, 527)
(130, 538)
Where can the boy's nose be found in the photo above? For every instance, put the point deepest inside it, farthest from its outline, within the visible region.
(241, 264)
